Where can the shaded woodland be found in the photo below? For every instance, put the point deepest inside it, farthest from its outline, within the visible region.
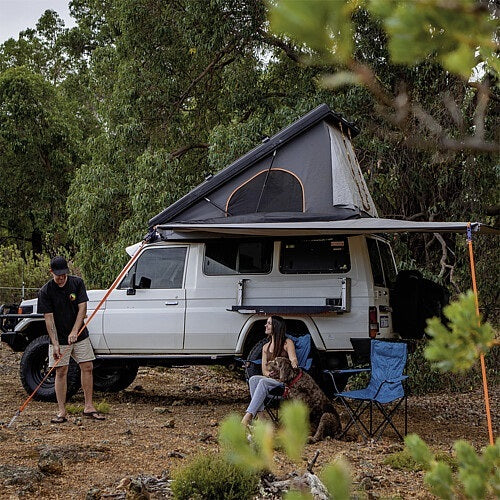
(105, 124)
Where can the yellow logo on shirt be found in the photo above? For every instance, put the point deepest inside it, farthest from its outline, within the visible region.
(72, 296)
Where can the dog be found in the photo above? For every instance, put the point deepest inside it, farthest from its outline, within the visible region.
(324, 419)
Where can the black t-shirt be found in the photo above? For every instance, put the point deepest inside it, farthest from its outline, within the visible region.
(63, 303)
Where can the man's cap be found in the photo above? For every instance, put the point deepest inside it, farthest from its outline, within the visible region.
(58, 266)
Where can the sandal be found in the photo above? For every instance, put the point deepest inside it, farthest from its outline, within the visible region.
(59, 419)
(94, 415)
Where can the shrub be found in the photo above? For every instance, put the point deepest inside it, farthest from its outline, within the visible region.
(14, 270)
(424, 379)
(403, 460)
(211, 476)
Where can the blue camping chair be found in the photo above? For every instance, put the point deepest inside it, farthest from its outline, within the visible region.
(304, 359)
(385, 391)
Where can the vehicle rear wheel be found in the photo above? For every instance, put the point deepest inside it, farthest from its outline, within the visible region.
(255, 354)
(35, 365)
(114, 377)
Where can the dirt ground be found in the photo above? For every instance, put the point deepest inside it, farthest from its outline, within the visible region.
(168, 416)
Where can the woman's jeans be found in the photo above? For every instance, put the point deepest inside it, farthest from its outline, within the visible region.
(259, 390)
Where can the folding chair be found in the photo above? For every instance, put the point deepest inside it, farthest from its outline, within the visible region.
(303, 351)
(385, 391)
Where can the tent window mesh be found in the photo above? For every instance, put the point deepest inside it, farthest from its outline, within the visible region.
(279, 191)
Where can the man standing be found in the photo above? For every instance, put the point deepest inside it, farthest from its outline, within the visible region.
(63, 302)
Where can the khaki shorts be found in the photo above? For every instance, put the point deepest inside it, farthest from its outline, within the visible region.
(80, 351)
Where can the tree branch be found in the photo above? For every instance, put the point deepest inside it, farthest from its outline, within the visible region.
(178, 153)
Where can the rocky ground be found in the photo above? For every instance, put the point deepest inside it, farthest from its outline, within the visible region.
(168, 416)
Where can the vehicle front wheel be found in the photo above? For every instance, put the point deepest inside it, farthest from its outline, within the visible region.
(35, 365)
(114, 377)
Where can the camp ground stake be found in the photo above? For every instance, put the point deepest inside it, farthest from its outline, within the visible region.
(106, 295)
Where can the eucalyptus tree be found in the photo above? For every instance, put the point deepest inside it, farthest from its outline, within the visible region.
(40, 146)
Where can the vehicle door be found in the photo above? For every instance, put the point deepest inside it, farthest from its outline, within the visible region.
(146, 311)
(384, 274)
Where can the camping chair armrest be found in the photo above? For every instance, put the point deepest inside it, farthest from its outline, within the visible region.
(347, 371)
(248, 362)
(397, 379)
(390, 381)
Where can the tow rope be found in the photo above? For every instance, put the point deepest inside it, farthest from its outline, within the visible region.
(85, 324)
(291, 384)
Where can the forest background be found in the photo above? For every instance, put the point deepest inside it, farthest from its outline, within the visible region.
(105, 124)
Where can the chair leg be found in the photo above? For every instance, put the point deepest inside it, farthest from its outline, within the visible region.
(388, 420)
(355, 418)
(273, 412)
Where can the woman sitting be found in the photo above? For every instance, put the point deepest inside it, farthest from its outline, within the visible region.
(260, 385)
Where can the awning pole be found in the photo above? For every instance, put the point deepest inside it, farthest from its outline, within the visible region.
(481, 355)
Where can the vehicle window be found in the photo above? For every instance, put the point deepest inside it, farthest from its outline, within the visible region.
(315, 256)
(158, 268)
(388, 265)
(237, 257)
(382, 262)
(376, 263)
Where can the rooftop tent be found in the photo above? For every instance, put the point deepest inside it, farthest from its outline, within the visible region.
(307, 171)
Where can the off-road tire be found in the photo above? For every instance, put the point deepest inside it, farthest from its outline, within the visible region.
(111, 377)
(35, 364)
(255, 353)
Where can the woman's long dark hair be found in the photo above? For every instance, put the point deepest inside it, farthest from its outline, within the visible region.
(278, 333)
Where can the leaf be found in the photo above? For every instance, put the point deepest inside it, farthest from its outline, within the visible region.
(440, 480)
(457, 347)
(236, 445)
(325, 27)
(294, 417)
(339, 79)
(460, 61)
(419, 450)
(337, 479)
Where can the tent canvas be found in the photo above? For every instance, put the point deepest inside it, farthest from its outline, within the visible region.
(308, 170)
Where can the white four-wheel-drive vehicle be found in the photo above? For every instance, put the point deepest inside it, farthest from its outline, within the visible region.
(288, 229)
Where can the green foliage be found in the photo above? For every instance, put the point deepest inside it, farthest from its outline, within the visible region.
(254, 451)
(255, 454)
(16, 269)
(336, 478)
(402, 460)
(457, 347)
(294, 419)
(211, 476)
(103, 407)
(434, 29)
(478, 475)
(39, 140)
(74, 409)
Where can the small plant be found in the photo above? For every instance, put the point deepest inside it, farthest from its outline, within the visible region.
(212, 476)
(73, 409)
(403, 460)
(478, 475)
(457, 346)
(255, 452)
(103, 407)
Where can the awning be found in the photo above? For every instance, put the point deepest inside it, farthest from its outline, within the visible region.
(323, 228)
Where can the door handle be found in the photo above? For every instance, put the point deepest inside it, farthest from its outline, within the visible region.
(171, 302)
